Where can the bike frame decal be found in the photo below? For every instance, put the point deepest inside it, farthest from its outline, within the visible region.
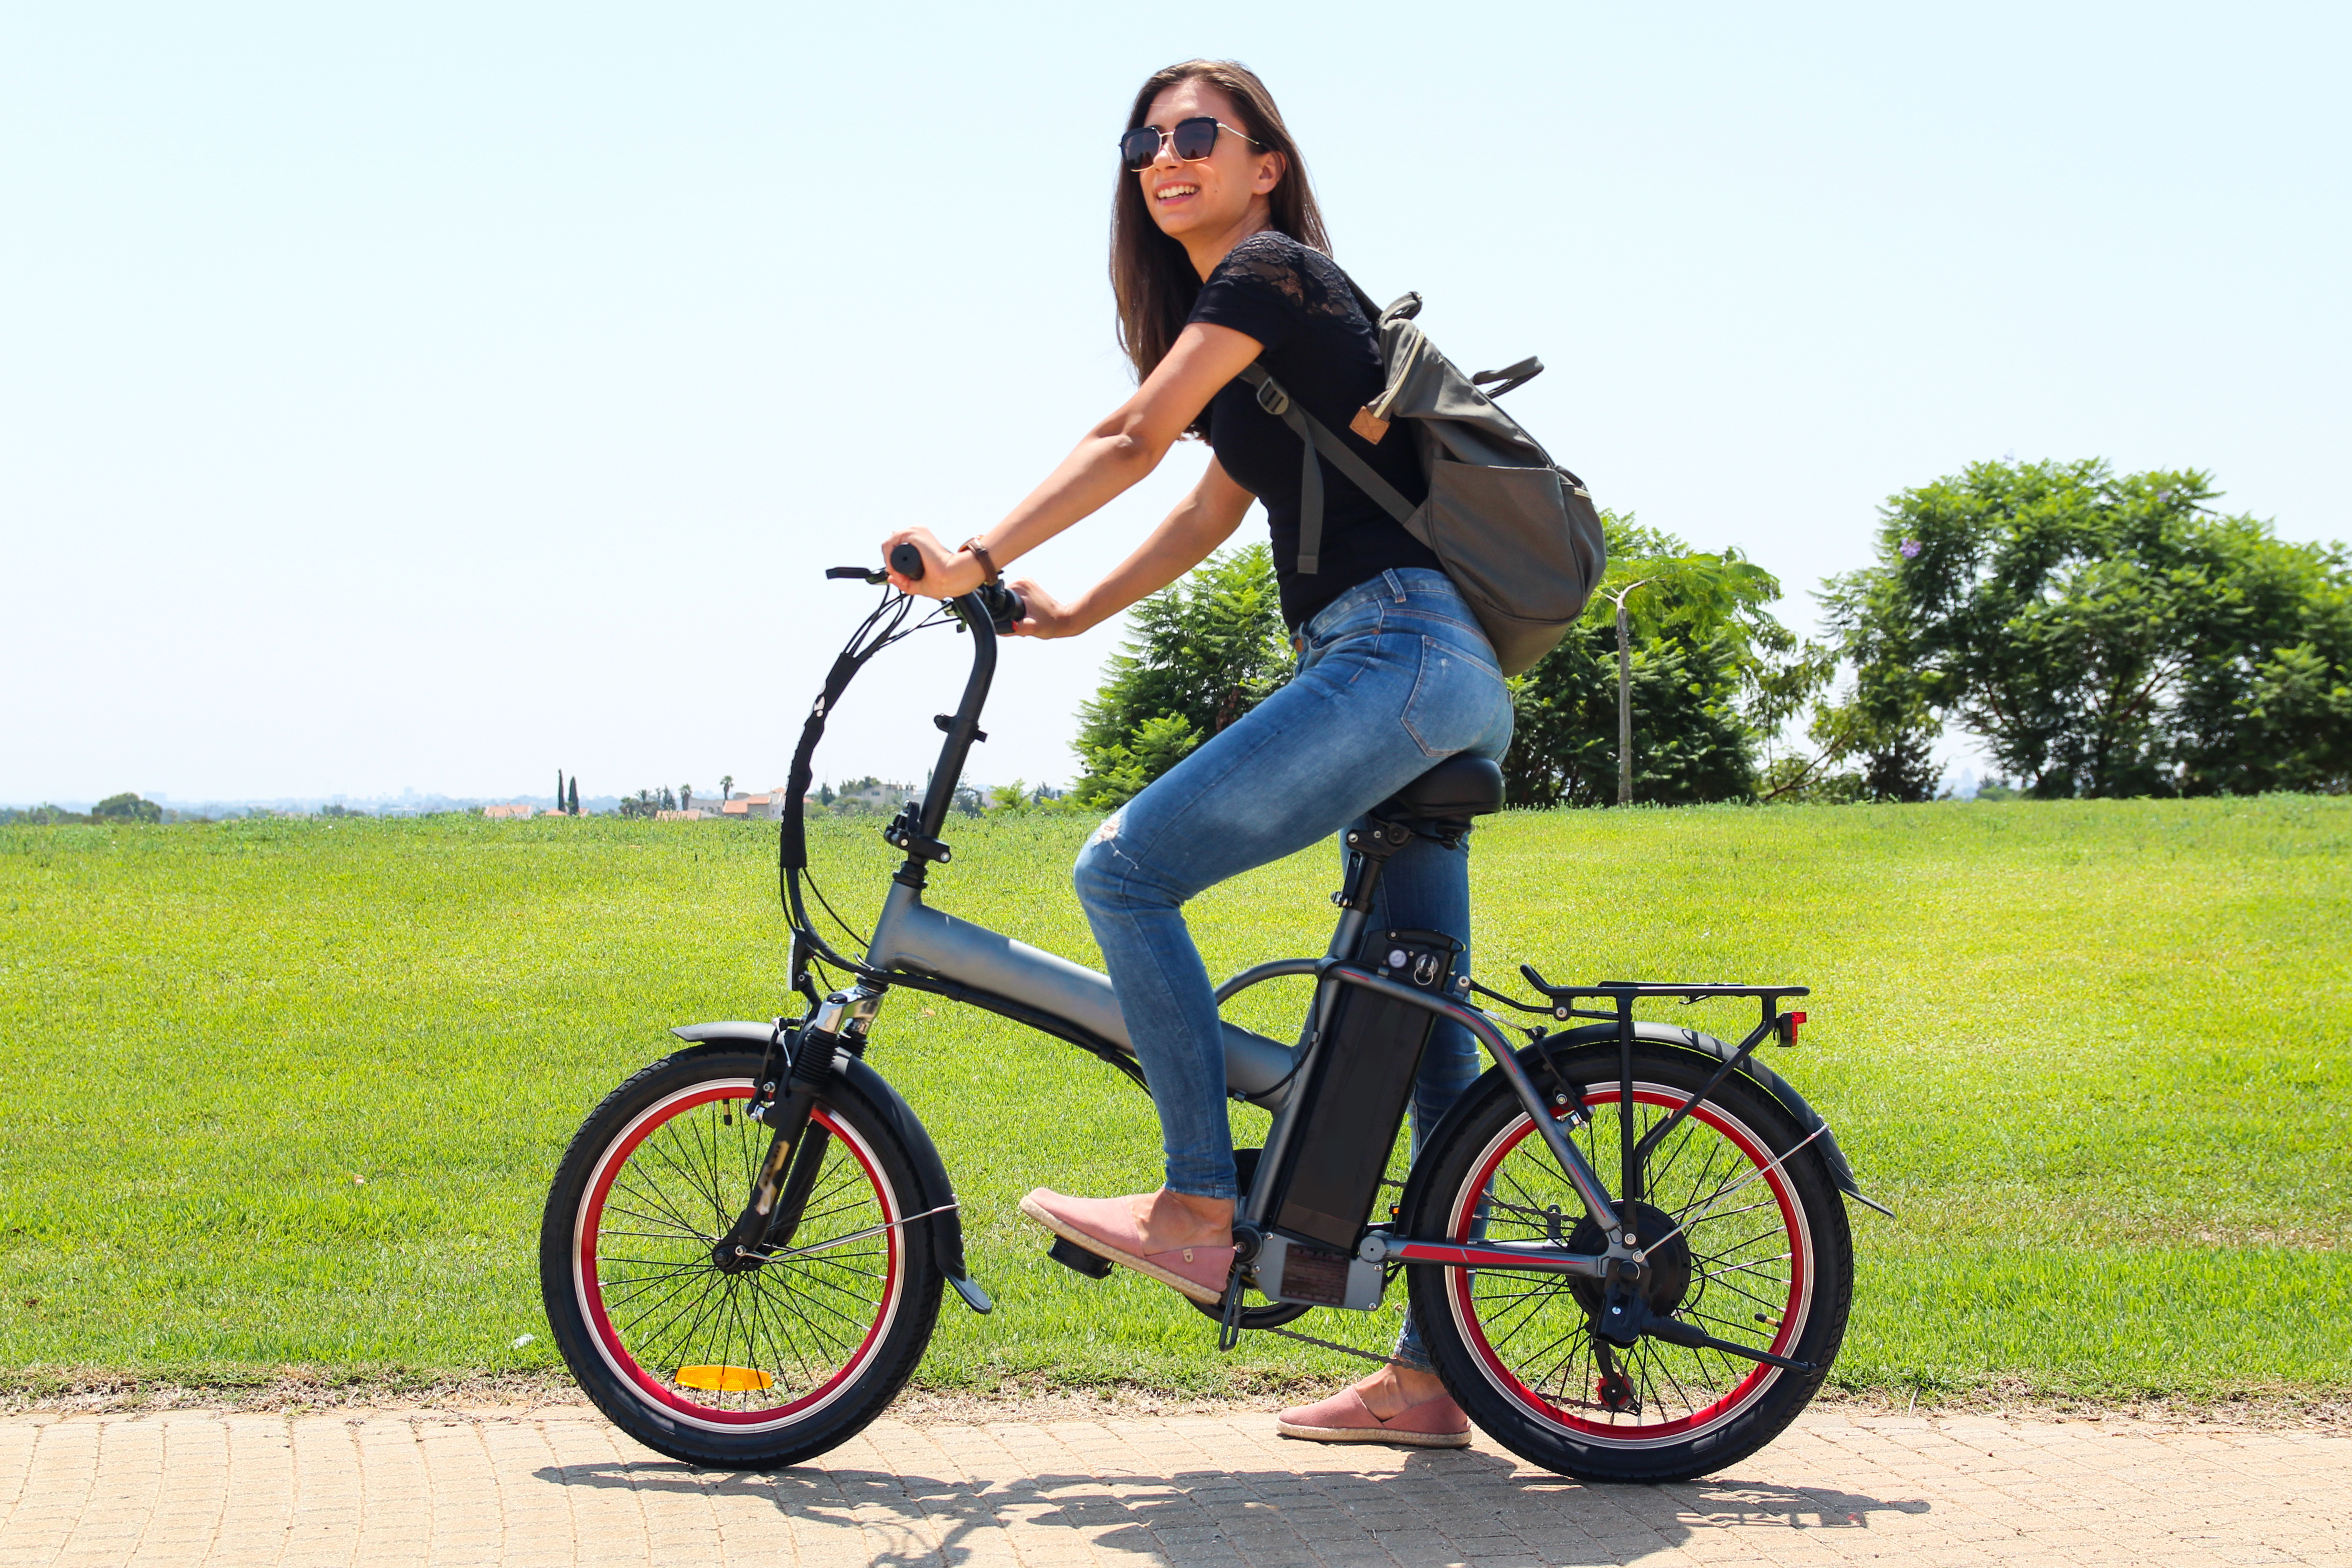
(590, 1294)
(1607, 1433)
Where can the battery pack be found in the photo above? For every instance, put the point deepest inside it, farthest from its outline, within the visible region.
(1355, 1096)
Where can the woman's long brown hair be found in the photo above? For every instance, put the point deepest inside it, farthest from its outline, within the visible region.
(1150, 273)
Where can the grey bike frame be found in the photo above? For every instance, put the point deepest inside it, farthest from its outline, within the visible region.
(911, 937)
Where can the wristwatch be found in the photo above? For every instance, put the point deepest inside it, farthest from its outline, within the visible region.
(979, 553)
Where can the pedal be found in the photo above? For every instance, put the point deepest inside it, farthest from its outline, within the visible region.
(1070, 1254)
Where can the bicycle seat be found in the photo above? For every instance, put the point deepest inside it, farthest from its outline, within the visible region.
(1460, 786)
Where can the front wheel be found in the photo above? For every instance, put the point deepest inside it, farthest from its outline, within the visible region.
(753, 1368)
(1748, 1250)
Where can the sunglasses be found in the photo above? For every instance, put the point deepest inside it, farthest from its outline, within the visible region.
(1193, 140)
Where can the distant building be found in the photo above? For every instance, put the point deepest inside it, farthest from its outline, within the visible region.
(768, 807)
(503, 812)
(689, 816)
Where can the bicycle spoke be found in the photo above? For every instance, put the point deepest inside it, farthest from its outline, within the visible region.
(1735, 1245)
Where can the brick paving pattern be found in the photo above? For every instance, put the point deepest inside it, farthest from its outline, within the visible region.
(557, 1486)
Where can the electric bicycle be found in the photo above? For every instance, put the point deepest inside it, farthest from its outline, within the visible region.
(746, 1247)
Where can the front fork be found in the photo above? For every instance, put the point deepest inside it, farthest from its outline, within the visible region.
(780, 1193)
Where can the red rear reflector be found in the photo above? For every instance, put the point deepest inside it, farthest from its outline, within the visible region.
(1789, 1022)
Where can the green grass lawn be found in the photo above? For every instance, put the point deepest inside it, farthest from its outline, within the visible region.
(287, 1094)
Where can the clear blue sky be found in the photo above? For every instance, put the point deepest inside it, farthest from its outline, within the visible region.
(437, 395)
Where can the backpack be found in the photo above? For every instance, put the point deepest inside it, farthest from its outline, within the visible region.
(1518, 533)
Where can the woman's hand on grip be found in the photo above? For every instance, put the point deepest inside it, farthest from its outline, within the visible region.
(946, 572)
(1047, 616)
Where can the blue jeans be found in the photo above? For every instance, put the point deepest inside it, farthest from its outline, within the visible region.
(1393, 677)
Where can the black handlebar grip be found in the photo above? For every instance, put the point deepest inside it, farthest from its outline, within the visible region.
(907, 561)
(1003, 606)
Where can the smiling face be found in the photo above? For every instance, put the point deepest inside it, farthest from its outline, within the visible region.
(1223, 193)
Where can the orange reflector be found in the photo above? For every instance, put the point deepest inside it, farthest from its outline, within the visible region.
(724, 1379)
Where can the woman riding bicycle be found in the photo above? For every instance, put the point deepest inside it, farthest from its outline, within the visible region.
(1218, 260)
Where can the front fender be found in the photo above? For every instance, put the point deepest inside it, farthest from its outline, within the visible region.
(933, 1187)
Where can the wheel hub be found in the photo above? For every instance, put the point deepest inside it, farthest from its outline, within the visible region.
(1666, 1274)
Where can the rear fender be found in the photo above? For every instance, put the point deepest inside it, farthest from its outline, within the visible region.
(1807, 1119)
(933, 1189)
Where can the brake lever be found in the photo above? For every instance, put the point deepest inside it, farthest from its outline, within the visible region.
(856, 574)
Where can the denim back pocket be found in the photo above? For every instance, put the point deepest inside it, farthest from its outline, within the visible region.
(1458, 701)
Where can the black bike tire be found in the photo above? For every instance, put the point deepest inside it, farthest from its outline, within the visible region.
(847, 1411)
(1487, 1113)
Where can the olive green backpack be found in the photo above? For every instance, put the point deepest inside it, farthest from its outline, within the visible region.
(1518, 533)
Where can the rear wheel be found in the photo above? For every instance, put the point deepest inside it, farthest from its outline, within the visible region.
(752, 1368)
(1748, 1251)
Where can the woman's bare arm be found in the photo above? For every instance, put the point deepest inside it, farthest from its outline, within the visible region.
(1204, 520)
(1113, 456)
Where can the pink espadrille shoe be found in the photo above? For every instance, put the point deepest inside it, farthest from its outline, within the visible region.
(1106, 1227)
(1345, 1418)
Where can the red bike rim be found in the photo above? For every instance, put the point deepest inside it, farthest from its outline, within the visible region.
(1612, 1430)
(652, 1386)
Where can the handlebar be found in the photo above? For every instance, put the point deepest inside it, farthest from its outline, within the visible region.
(1003, 606)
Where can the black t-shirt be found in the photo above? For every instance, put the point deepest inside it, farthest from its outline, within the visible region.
(1323, 350)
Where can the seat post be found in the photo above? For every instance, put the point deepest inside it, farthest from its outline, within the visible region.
(1369, 848)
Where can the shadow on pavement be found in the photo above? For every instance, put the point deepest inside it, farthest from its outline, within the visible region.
(1427, 1503)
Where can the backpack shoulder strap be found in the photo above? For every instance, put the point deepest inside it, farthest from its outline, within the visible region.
(1314, 437)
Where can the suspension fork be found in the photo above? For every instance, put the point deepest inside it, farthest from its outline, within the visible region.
(779, 1192)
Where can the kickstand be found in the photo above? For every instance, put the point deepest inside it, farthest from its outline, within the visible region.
(1229, 1322)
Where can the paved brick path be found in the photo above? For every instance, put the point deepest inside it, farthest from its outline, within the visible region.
(557, 1486)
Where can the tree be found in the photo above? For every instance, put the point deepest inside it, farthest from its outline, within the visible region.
(1677, 659)
(559, 789)
(1198, 654)
(1693, 592)
(575, 795)
(2104, 636)
(726, 787)
(44, 816)
(126, 808)
(686, 797)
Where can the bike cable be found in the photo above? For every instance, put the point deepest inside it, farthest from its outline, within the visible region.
(885, 625)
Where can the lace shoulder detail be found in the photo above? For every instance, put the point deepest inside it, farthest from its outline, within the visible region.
(1302, 275)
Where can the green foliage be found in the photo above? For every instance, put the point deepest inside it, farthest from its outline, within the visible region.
(126, 808)
(1020, 799)
(1705, 682)
(2119, 1169)
(114, 809)
(2104, 635)
(1200, 654)
(1690, 740)
(42, 815)
(1116, 770)
(647, 803)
